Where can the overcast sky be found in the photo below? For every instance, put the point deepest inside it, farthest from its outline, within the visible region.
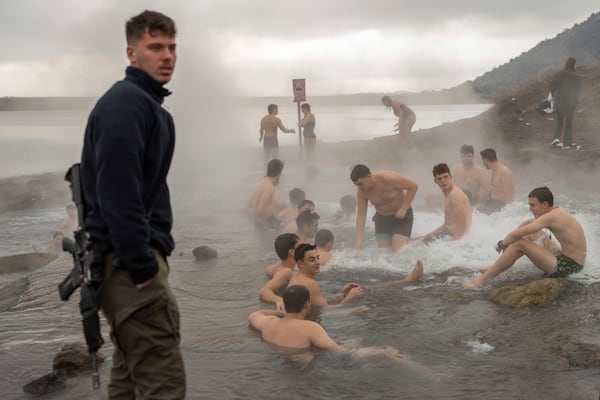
(255, 47)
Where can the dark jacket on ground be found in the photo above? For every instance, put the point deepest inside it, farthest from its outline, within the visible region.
(128, 147)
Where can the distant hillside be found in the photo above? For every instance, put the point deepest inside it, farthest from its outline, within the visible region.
(582, 41)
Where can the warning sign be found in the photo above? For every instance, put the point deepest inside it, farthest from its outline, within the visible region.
(299, 87)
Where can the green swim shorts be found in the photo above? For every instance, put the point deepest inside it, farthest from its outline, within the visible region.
(565, 266)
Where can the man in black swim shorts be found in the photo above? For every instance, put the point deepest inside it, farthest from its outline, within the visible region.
(392, 195)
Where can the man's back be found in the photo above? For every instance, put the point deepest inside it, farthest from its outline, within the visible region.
(502, 185)
(472, 180)
(569, 233)
(457, 212)
(270, 123)
(289, 333)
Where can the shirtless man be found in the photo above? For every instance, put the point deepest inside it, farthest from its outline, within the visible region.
(559, 222)
(284, 248)
(309, 265)
(290, 213)
(406, 119)
(291, 226)
(324, 243)
(471, 178)
(268, 131)
(392, 195)
(282, 272)
(70, 223)
(308, 225)
(502, 188)
(457, 208)
(263, 203)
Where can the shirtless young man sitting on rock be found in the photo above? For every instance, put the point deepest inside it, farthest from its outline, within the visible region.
(559, 222)
(392, 195)
(457, 208)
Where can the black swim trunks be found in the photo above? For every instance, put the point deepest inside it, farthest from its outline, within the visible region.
(388, 225)
(565, 266)
(270, 142)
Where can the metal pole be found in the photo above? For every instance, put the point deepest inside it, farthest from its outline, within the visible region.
(299, 130)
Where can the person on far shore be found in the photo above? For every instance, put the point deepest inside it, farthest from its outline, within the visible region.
(392, 196)
(470, 177)
(559, 222)
(269, 124)
(308, 132)
(502, 187)
(565, 87)
(457, 208)
(406, 120)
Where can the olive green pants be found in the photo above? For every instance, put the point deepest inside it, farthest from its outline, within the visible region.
(147, 362)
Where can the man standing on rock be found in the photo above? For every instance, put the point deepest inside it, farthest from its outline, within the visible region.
(565, 87)
(561, 224)
(502, 187)
(127, 151)
(392, 195)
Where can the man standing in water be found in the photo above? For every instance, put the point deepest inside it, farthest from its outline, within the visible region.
(268, 132)
(563, 225)
(457, 208)
(471, 178)
(502, 188)
(263, 203)
(392, 195)
(127, 152)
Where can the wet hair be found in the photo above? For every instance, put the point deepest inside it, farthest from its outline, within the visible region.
(284, 243)
(543, 194)
(489, 154)
(301, 249)
(359, 171)
(296, 196)
(348, 203)
(386, 100)
(467, 149)
(271, 108)
(570, 64)
(440, 169)
(274, 167)
(306, 107)
(306, 202)
(323, 237)
(150, 21)
(306, 217)
(295, 297)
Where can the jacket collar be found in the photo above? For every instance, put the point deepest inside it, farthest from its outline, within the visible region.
(145, 81)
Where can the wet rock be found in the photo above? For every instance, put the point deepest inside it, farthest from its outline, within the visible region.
(574, 352)
(203, 253)
(529, 294)
(46, 384)
(25, 261)
(74, 358)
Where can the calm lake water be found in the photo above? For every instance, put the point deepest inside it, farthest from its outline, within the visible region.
(435, 321)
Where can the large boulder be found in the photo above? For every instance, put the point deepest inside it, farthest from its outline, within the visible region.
(75, 358)
(529, 294)
(203, 253)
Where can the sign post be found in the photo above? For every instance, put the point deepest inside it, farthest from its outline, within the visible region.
(299, 88)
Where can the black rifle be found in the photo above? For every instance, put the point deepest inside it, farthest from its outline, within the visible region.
(86, 274)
